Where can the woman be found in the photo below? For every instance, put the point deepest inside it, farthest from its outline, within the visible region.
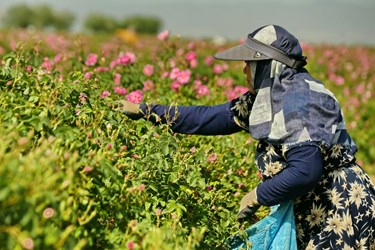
(304, 152)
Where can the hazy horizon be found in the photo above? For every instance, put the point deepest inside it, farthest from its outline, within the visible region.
(316, 21)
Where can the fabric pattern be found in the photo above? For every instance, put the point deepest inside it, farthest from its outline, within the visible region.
(339, 213)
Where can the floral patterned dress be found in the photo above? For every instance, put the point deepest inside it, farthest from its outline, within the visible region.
(340, 212)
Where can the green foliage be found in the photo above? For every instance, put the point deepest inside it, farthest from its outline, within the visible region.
(96, 22)
(37, 16)
(77, 174)
(142, 24)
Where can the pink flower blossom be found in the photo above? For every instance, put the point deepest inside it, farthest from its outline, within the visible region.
(164, 74)
(197, 83)
(91, 59)
(202, 90)
(102, 69)
(48, 212)
(193, 63)
(209, 60)
(175, 86)
(130, 245)
(28, 244)
(2, 50)
(191, 55)
(218, 69)
(47, 64)
(29, 68)
(135, 96)
(120, 90)
(87, 75)
(148, 85)
(123, 59)
(87, 169)
(212, 157)
(180, 52)
(360, 89)
(184, 76)
(157, 212)
(338, 80)
(225, 82)
(163, 35)
(117, 78)
(58, 58)
(148, 69)
(175, 72)
(240, 90)
(105, 94)
(231, 95)
(235, 92)
(141, 187)
(193, 149)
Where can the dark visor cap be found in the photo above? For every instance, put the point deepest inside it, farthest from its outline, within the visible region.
(240, 52)
(254, 50)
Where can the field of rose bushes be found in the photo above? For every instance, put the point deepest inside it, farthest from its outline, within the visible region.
(77, 174)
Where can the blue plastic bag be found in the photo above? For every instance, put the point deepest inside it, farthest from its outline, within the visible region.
(276, 231)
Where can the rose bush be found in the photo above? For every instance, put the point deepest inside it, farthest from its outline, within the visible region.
(77, 174)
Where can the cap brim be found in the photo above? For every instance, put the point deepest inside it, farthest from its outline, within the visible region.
(240, 53)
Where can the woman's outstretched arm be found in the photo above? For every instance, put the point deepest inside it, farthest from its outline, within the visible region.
(200, 120)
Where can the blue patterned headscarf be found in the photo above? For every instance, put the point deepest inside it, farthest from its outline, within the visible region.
(291, 107)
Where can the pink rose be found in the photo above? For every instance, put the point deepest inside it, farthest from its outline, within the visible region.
(105, 94)
(148, 85)
(91, 59)
(120, 90)
(148, 70)
(163, 35)
(184, 76)
(117, 79)
(191, 55)
(87, 75)
(135, 96)
(202, 90)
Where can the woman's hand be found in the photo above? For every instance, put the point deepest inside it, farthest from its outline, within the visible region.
(131, 110)
(248, 206)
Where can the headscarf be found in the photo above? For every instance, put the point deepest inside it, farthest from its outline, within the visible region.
(292, 108)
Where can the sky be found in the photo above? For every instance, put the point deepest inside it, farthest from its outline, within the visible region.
(346, 22)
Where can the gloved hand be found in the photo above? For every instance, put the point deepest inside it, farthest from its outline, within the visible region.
(131, 110)
(248, 206)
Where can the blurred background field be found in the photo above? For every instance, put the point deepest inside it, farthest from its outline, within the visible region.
(76, 174)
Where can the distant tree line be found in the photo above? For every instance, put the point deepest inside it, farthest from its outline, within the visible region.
(43, 17)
